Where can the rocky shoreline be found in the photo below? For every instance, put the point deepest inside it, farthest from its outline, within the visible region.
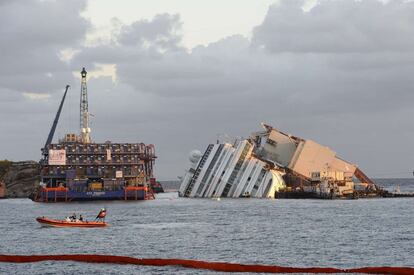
(20, 178)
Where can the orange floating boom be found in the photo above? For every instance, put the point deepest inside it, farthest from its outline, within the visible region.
(215, 266)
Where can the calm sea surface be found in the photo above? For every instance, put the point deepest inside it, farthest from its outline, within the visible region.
(339, 233)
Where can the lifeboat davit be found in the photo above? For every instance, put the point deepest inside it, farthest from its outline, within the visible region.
(63, 223)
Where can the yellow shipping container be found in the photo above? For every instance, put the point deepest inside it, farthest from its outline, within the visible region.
(96, 186)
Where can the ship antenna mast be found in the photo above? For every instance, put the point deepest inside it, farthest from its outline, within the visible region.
(84, 113)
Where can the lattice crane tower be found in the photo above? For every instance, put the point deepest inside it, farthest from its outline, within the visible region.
(84, 113)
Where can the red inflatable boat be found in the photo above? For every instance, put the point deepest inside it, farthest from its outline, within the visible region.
(63, 223)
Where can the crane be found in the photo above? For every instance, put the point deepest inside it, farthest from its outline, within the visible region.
(55, 122)
(84, 112)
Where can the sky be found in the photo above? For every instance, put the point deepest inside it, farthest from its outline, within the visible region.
(179, 74)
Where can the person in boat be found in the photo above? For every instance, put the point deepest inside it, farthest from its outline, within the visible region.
(80, 218)
(73, 217)
(101, 215)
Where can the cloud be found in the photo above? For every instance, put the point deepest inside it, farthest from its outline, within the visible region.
(33, 34)
(161, 31)
(338, 26)
(36, 96)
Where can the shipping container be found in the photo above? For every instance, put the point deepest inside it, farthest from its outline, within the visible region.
(96, 186)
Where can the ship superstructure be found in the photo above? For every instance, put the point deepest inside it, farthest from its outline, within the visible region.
(76, 168)
(231, 170)
(270, 164)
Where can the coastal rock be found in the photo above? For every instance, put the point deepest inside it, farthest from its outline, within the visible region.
(21, 178)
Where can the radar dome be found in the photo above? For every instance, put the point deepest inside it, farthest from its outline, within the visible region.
(194, 156)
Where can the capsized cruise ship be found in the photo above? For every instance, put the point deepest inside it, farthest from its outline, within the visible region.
(270, 164)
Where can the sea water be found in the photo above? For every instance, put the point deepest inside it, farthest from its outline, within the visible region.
(296, 233)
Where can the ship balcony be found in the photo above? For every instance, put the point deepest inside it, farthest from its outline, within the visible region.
(53, 176)
(107, 163)
(91, 176)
